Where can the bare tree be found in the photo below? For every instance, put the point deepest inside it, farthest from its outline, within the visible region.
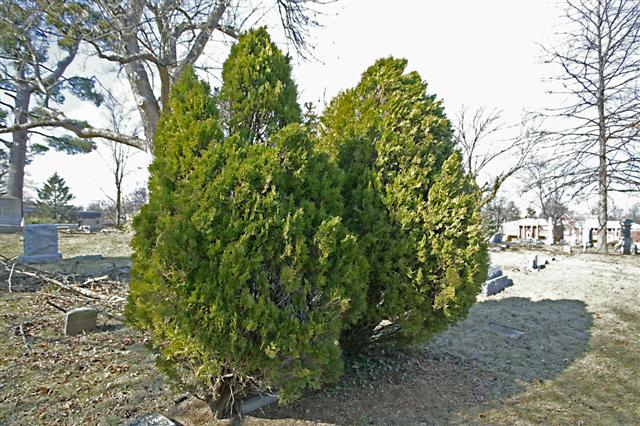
(120, 121)
(498, 211)
(479, 135)
(552, 195)
(39, 40)
(634, 212)
(595, 134)
(154, 40)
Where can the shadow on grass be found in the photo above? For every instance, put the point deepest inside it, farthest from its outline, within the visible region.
(501, 347)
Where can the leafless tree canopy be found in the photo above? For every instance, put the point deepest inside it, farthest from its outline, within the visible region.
(480, 136)
(154, 40)
(595, 133)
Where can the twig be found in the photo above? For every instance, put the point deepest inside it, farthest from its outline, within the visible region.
(94, 280)
(50, 303)
(10, 275)
(24, 338)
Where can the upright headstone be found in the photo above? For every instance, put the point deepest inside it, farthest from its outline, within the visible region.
(10, 213)
(496, 238)
(626, 236)
(40, 244)
(79, 320)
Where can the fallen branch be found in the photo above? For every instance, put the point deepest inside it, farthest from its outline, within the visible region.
(94, 280)
(50, 303)
(10, 275)
(74, 289)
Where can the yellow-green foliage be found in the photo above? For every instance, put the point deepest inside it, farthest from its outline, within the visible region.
(243, 273)
(264, 252)
(426, 254)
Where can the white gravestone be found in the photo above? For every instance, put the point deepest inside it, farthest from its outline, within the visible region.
(40, 244)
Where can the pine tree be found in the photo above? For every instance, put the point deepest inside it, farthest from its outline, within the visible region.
(53, 199)
(258, 96)
(243, 273)
(391, 140)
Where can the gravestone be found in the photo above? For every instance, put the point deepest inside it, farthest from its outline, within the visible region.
(496, 238)
(494, 272)
(79, 320)
(252, 404)
(10, 213)
(40, 244)
(152, 419)
(567, 249)
(626, 235)
(534, 262)
(496, 282)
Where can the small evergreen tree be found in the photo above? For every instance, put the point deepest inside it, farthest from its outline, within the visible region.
(391, 140)
(53, 199)
(243, 273)
(258, 96)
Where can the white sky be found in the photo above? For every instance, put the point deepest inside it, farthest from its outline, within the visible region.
(470, 52)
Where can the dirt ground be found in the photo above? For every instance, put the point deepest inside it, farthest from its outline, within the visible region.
(560, 346)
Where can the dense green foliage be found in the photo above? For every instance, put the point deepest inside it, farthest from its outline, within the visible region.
(243, 272)
(259, 96)
(53, 199)
(392, 140)
(266, 251)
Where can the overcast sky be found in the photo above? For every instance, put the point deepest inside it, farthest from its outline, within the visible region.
(478, 53)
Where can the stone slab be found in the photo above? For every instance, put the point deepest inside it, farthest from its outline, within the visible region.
(80, 320)
(496, 285)
(42, 258)
(10, 211)
(152, 419)
(507, 331)
(256, 402)
(10, 229)
(88, 258)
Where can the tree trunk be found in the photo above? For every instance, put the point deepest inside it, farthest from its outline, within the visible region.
(602, 144)
(221, 407)
(18, 152)
(139, 79)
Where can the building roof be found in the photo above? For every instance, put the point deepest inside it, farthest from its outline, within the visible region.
(89, 215)
(527, 222)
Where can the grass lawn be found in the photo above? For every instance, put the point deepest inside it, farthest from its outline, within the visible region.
(577, 360)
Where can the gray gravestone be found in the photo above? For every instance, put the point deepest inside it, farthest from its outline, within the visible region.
(10, 211)
(534, 262)
(259, 401)
(79, 320)
(40, 244)
(626, 235)
(496, 238)
(494, 272)
(496, 285)
(152, 419)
